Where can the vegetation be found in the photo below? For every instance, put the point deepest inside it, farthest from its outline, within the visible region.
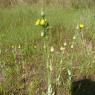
(49, 57)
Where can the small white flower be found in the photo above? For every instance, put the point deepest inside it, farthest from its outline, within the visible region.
(52, 49)
(42, 34)
(65, 44)
(72, 46)
(74, 37)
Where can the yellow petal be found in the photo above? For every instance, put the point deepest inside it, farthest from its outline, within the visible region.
(37, 22)
(81, 26)
(42, 22)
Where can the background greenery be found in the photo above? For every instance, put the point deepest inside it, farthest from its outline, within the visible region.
(22, 67)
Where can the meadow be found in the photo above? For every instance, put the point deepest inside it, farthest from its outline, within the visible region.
(28, 67)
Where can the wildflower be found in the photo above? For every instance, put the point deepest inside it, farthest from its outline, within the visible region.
(42, 34)
(81, 26)
(62, 48)
(52, 49)
(65, 44)
(43, 22)
(72, 46)
(37, 22)
(74, 37)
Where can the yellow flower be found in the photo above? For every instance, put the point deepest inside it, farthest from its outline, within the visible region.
(43, 22)
(81, 26)
(37, 22)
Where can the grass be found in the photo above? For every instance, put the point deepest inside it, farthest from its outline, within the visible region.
(23, 71)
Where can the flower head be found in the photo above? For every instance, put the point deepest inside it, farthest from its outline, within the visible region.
(52, 49)
(43, 22)
(42, 34)
(37, 22)
(74, 37)
(81, 26)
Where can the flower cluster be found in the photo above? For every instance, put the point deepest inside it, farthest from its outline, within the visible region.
(42, 22)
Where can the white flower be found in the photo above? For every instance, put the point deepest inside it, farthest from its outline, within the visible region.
(72, 46)
(52, 49)
(74, 37)
(65, 44)
(42, 34)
